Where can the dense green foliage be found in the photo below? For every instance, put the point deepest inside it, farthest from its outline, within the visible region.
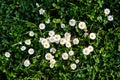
(17, 17)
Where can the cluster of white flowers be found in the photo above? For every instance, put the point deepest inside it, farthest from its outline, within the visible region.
(88, 50)
(107, 12)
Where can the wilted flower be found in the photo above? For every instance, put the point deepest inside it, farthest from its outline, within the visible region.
(41, 11)
(51, 65)
(62, 25)
(47, 21)
(53, 50)
(28, 42)
(7, 54)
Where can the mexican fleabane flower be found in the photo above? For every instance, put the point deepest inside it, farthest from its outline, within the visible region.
(49, 56)
(67, 35)
(23, 48)
(31, 33)
(92, 36)
(82, 25)
(62, 41)
(51, 33)
(110, 18)
(57, 37)
(77, 61)
(86, 51)
(52, 61)
(72, 22)
(68, 44)
(28, 42)
(52, 39)
(107, 11)
(75, 41)
(71, 53)
(64, 56)
(73, 66)
(46, 45)
(26, 63)
(42, 26)
(90, 48)
(7, 54)
(51, 65)
(43, 41)
(31, 51)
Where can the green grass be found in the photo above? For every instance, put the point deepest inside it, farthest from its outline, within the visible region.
(18, 17)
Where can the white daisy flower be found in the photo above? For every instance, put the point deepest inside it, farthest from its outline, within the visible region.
(52, 39)
(31, 51)
(64, 56)
(110, 18)
(42, 26)
(28, 42)
(62, 25)
(51, 65)
(46, 45)
(26, 63)
(53, 50)
(68, 44)
(86, 51)
(67, 39)
(90, 48)
(41, 11)
(107, 11)
(57, 37)
(7, 54)
(47, 21)
(75, 41)
(43, 41)
(67, 35)
(71, 53)
(73, 66)
(72, 22)
(31, 33)
(51, 33)
(49, 56)
(92, 36)
(52, 61)
(77, 61)
(23, 48)
(62, 41)
(82, 25)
